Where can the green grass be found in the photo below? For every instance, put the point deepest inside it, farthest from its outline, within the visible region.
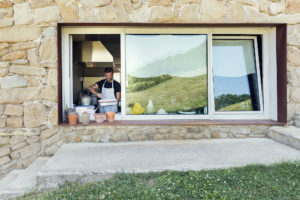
(278, 181)
(241, 106)
(188, 92)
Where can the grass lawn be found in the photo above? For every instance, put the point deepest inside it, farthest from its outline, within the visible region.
(279, 181)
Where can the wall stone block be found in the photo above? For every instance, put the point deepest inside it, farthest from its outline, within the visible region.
(14, 110)
(23, 45)
(14, 55)
(13, 81)
(40, 4)
(46, 15)
(22, 14)
(45, 53)
(30, 150)
(4, 151)
(31, 111)
(6, 22)
(212, 11)
(27, 70)
(292, 6)
(13, 34)
(161, 14)
(235, 12)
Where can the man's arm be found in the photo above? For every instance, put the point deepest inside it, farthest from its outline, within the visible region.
(92, 89)
(118, 96)
(118, 92)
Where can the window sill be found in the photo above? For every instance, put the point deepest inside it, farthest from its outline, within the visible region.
(179, 122)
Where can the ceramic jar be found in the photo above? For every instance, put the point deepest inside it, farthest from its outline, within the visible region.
(85, 118)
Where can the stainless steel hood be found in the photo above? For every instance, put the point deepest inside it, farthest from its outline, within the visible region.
(94, 54)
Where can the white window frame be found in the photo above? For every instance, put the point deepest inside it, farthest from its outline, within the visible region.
(269, 84)
(257, 66)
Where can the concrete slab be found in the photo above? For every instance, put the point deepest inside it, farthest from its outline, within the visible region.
(84, 162)
(19, 182)
(10, 177)
(289, 135)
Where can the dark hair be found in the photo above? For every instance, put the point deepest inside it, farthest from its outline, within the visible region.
(108, 70)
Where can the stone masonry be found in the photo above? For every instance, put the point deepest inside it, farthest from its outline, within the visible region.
(28, 68)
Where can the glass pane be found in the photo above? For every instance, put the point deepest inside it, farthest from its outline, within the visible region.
(166, 74)
(235, 76)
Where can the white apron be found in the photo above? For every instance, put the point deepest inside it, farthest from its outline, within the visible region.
(108, 94)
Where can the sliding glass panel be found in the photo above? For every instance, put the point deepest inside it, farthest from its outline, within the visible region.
(235, 77)
(166, 74)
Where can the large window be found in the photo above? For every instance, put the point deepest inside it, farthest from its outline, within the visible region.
(185, 73)
(166, 74)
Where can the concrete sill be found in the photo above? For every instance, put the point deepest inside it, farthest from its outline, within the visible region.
(180, 122)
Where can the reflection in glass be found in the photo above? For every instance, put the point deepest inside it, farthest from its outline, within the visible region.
(235, 76)
(166, 74)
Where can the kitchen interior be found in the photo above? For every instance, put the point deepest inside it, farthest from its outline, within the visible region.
(91, 54)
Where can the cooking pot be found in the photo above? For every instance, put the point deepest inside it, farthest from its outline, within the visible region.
(94, 100)
(86, 100)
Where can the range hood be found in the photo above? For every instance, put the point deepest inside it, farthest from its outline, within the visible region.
(94, 54)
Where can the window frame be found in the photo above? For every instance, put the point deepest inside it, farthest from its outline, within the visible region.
(269, 47)
(258, 71)
(149, 117)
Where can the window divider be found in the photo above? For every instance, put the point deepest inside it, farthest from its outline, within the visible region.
(71, 69)
(67, 75)
(210, 100)
(123, 76)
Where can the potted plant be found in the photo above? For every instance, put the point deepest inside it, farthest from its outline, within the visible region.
(67, 111)
(73, 118)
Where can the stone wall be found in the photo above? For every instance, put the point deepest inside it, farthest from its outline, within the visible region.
(73, 134)
(28, 67)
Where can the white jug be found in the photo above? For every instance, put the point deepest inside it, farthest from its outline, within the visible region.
(150, 107)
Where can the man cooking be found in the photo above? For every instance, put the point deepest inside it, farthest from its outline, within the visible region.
(109, 89)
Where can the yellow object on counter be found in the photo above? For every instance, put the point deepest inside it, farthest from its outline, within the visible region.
(137, 109)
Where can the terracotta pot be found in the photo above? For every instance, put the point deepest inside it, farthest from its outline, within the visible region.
(69, 110)
(110, 116)
(99, 117)
(72, 119)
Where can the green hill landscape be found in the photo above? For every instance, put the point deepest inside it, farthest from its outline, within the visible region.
(241, 106)
(188, 92)
(233, 102)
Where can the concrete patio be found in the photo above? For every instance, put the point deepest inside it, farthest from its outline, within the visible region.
(87, 162)
(93, 161)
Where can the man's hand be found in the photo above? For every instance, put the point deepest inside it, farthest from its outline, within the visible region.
(92, 89)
